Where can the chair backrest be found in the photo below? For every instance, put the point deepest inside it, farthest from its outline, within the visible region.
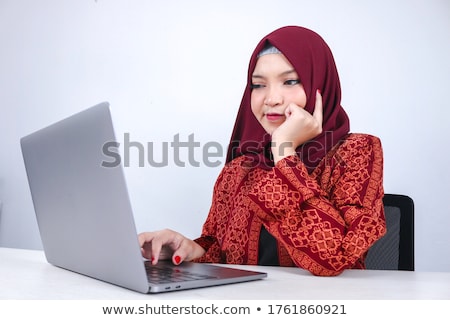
(395, 250)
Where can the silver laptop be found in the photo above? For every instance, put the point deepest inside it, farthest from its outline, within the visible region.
(84, 213)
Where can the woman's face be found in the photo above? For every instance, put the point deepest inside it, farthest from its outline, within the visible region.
(275, 84)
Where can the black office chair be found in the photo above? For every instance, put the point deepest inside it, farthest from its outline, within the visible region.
(395, 250)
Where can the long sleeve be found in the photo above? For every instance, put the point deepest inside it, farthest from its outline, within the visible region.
(231, 231)
(215, 227)
(327, 220)
(208, 240)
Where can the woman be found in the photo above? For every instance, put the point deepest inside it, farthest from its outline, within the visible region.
(298, 189)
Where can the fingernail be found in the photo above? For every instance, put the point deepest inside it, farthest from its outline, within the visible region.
(318, 91)
(177, 259)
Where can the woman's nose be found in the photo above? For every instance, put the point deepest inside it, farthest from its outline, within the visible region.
(273, 98)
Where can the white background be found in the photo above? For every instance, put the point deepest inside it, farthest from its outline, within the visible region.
(179, 67)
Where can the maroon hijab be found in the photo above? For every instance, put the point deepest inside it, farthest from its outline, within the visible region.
(314, 63)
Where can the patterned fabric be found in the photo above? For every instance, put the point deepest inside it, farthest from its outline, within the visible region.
(324, 222)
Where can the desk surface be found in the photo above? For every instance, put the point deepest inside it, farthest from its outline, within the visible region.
(25, 274)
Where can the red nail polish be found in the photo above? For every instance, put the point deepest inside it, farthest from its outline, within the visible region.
(177, 259)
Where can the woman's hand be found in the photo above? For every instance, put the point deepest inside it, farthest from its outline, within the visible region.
(299, 127)
(168, 244)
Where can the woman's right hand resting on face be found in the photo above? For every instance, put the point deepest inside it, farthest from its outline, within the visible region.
(168, 244)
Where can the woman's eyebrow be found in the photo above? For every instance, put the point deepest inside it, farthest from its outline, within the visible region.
(287, 72)
(284, 73)
(257, 76)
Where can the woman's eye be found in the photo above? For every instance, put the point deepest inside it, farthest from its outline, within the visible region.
(292, 82)
(256, 86)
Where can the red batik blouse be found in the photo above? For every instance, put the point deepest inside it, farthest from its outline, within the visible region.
(323, 221)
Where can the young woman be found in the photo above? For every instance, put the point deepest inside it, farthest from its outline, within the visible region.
(298, 189)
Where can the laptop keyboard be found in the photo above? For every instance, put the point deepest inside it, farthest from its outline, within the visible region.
(167, 274)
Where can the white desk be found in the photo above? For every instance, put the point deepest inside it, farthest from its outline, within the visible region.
(25, 274)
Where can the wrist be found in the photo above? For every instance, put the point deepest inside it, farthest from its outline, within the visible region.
(198, 251)
(282, 150)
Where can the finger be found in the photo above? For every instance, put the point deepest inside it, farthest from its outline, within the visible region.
(294, 109)
(165, 244)
(288, 111)
(145, 238)
(152, 242)
(180, 254)
(155, 251)
(145, 243)
(318, 109)
(177, 259)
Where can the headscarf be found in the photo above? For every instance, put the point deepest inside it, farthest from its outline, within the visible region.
(314, 63)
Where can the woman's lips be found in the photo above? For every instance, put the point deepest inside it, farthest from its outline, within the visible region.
(273, 117)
